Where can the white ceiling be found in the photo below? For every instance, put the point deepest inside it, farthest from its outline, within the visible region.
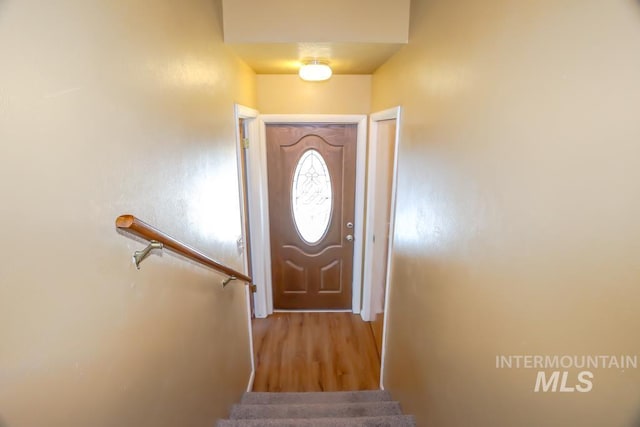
(354, 36)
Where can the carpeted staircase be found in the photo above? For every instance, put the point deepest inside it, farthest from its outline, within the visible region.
(322, 409)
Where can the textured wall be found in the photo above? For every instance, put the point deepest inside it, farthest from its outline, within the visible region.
(518, 202)
(114, 107)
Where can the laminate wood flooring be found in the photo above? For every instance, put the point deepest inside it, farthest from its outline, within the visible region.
(314, 352)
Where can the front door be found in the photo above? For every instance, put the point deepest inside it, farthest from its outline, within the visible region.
(311, 170)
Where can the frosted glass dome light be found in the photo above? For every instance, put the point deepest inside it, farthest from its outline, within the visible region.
(315, 71)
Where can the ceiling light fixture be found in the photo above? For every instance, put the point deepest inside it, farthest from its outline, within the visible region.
(315, 70)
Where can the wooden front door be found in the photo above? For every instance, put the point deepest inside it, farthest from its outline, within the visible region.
(311, 170)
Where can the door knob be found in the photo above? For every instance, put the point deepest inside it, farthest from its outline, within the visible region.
(349, 238)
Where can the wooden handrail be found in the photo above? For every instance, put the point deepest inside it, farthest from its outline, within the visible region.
(136, 226)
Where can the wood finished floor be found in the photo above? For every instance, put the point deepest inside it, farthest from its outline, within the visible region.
(314, 352)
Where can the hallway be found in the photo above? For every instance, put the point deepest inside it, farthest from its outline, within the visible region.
(515, 229)
(314, 352)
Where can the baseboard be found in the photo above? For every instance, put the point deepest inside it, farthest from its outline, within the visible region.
(252, 378)
(314, 311)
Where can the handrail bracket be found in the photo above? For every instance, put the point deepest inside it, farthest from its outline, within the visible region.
(226, 281)
(139, 256)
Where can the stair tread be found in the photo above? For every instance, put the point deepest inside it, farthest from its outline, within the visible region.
(316, 397)
(315, 410)
(377, 421)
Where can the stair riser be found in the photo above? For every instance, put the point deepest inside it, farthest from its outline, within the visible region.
(387, 421)
(316, 410)
(262, 398)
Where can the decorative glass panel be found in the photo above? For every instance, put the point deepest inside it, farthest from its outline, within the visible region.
(311, 196)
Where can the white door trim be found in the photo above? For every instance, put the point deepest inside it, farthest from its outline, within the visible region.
(262, 278)
(242, 112)
(389, 114)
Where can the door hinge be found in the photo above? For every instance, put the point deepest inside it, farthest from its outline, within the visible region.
(253, 288)
(245, 143)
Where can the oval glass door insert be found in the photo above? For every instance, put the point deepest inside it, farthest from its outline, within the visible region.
(311, 196)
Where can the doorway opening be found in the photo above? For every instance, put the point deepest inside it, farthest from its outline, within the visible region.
(382, 164)
(365, 299)
(246, 132)
(324, 277)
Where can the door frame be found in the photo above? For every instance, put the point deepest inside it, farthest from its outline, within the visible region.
(251, 118)
(369, 250)
(261, 240)
(389, 114)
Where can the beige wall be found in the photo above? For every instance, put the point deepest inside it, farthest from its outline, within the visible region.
(518, 204)
(288, 94)
(109, 108)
